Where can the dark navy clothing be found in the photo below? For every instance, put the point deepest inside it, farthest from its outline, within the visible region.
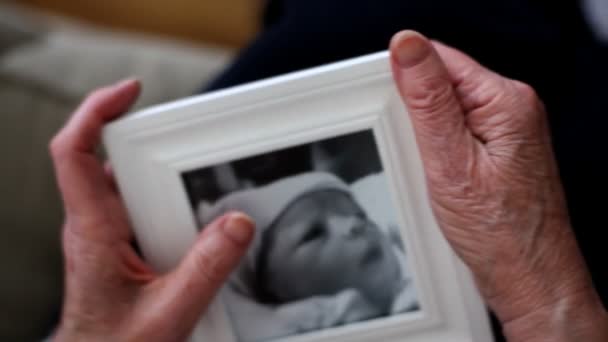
(541, 42)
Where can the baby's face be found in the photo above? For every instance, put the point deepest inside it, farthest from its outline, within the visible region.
(324, 243)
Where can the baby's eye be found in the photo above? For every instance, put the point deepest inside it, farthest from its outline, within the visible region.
(314, 233)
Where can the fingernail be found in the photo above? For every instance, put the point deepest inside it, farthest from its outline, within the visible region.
(239, 227)
(410, 48)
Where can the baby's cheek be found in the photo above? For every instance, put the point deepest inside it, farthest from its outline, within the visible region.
(304, 256)
(289, 264)
(314, 261)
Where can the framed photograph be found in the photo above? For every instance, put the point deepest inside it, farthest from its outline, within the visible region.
(325, 161)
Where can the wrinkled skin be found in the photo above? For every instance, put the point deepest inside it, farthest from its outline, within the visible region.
(111, 294)
(492, 182)
(495, 191)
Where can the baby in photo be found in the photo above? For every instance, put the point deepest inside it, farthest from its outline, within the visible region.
(325, 254)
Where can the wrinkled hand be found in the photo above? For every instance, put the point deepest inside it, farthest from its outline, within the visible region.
(495, 191)
(112, 295)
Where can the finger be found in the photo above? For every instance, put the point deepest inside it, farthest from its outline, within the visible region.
(192, 286)
(487, 97)
(83, 130)
(427, 89)
(79, 173)
(109, 172)
(475, 85)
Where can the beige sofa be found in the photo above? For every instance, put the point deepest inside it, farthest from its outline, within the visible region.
(46, 67)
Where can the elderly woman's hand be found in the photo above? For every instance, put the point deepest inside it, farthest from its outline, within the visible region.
(495, 191)
(112, 295)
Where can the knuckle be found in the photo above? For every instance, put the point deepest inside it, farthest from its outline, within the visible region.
(524, 89)
(431, 94)
(210, 267)
(531, 108)
(526, 94)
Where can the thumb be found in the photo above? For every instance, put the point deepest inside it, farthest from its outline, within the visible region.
(427, 89)
(192, 286)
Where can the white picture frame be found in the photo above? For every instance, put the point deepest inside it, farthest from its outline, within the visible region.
(151, 149)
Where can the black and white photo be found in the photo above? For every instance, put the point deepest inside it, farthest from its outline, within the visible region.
(328, 250)
(325, 161)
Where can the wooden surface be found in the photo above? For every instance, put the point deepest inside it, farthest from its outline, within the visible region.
(224, 22)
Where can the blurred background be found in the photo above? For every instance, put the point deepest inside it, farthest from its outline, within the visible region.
(53, 52)
(227, 23)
